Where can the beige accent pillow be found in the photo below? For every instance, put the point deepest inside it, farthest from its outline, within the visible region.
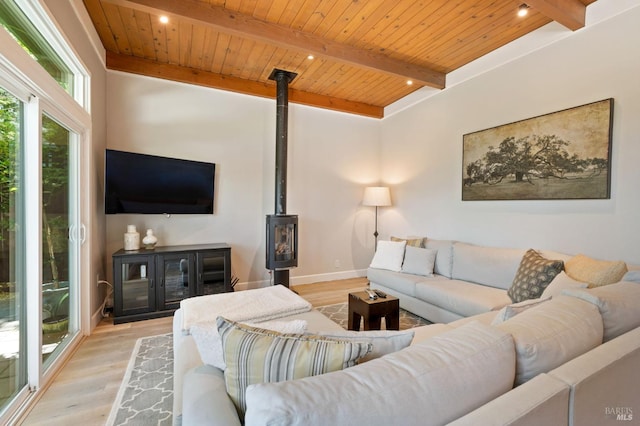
(411, 242)
(595, 272)
(255, 355)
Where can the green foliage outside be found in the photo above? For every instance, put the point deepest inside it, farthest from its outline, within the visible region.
(55, 169)
(9, 114)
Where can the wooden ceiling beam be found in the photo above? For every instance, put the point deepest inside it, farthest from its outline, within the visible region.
(135, 65)
(247, 26)
(570, 13)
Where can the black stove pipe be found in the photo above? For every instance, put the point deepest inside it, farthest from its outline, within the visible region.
(282, 78)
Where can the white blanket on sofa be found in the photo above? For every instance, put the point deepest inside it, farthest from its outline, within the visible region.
(257, 305)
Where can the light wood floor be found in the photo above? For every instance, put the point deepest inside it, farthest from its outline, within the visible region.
(86, 387)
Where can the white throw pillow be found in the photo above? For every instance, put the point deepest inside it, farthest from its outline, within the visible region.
(633, 276)
(419, 261)
(209, 344)
(383, 341)
(389, 255)
(619, 305)
(514, 309)
(561, 282)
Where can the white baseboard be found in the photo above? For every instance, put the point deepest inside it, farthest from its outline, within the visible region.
(306, 279)
(96, 318)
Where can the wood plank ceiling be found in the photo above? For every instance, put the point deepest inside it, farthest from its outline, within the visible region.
(364, 51)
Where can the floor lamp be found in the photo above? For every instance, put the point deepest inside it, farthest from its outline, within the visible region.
(376, 196)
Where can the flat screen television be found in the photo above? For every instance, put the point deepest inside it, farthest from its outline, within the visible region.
(149, 184)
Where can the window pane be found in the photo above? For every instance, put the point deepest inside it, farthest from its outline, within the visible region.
(55, 235)
(12, 327)
(21, 28)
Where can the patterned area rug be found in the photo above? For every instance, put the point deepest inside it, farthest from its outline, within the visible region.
(338, 313)
(146, 394)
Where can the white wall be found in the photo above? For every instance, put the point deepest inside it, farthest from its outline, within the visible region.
(422, 148)
(332, 156)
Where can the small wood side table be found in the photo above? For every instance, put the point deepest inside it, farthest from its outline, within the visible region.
(372, 310)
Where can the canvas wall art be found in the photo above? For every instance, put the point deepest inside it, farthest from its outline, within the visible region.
(561, 155)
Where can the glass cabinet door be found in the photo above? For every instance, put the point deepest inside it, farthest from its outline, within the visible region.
(136, 289)
(175, 280)
(214, 272)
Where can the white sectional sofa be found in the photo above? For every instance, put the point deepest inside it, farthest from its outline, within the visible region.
(467, 280)
(545, 365)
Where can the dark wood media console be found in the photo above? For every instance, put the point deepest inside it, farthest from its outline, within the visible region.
(151, 283)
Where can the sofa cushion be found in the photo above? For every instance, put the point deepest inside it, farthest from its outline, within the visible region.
(551, 334)
(444, 258)
(382, 342)
(430, 383)
(495, 267)
(419, 261)
(425, 332)
(389, 255)
(561, 282)
(533, 276)
(514, 309)
(619, 305)
(255, 355)
(411, 242)
(595, 272)
(402, 283)
(461, 297)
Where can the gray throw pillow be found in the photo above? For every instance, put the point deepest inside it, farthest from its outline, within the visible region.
(534, 275)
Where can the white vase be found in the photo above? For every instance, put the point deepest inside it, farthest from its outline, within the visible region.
(131, 239)
(149, 240)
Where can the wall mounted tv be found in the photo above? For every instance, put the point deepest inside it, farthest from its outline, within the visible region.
(148, 184)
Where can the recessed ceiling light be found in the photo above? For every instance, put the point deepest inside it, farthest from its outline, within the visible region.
(409, 82)
(523, 10)
(164, 19)
(310, 57)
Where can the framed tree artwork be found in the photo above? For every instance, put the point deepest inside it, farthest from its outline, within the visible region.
(561, 155)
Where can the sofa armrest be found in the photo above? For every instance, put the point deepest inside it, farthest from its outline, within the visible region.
(185, 358)
(205, 400)
(604, 382)
(543, 400)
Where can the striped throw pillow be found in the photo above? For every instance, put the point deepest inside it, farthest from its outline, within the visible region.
(254, 355)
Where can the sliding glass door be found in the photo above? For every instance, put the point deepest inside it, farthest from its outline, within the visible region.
(42, 131)
(40, 238)
(59, 242)
(13, 355)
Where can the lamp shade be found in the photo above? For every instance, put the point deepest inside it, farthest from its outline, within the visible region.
(376, 196)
